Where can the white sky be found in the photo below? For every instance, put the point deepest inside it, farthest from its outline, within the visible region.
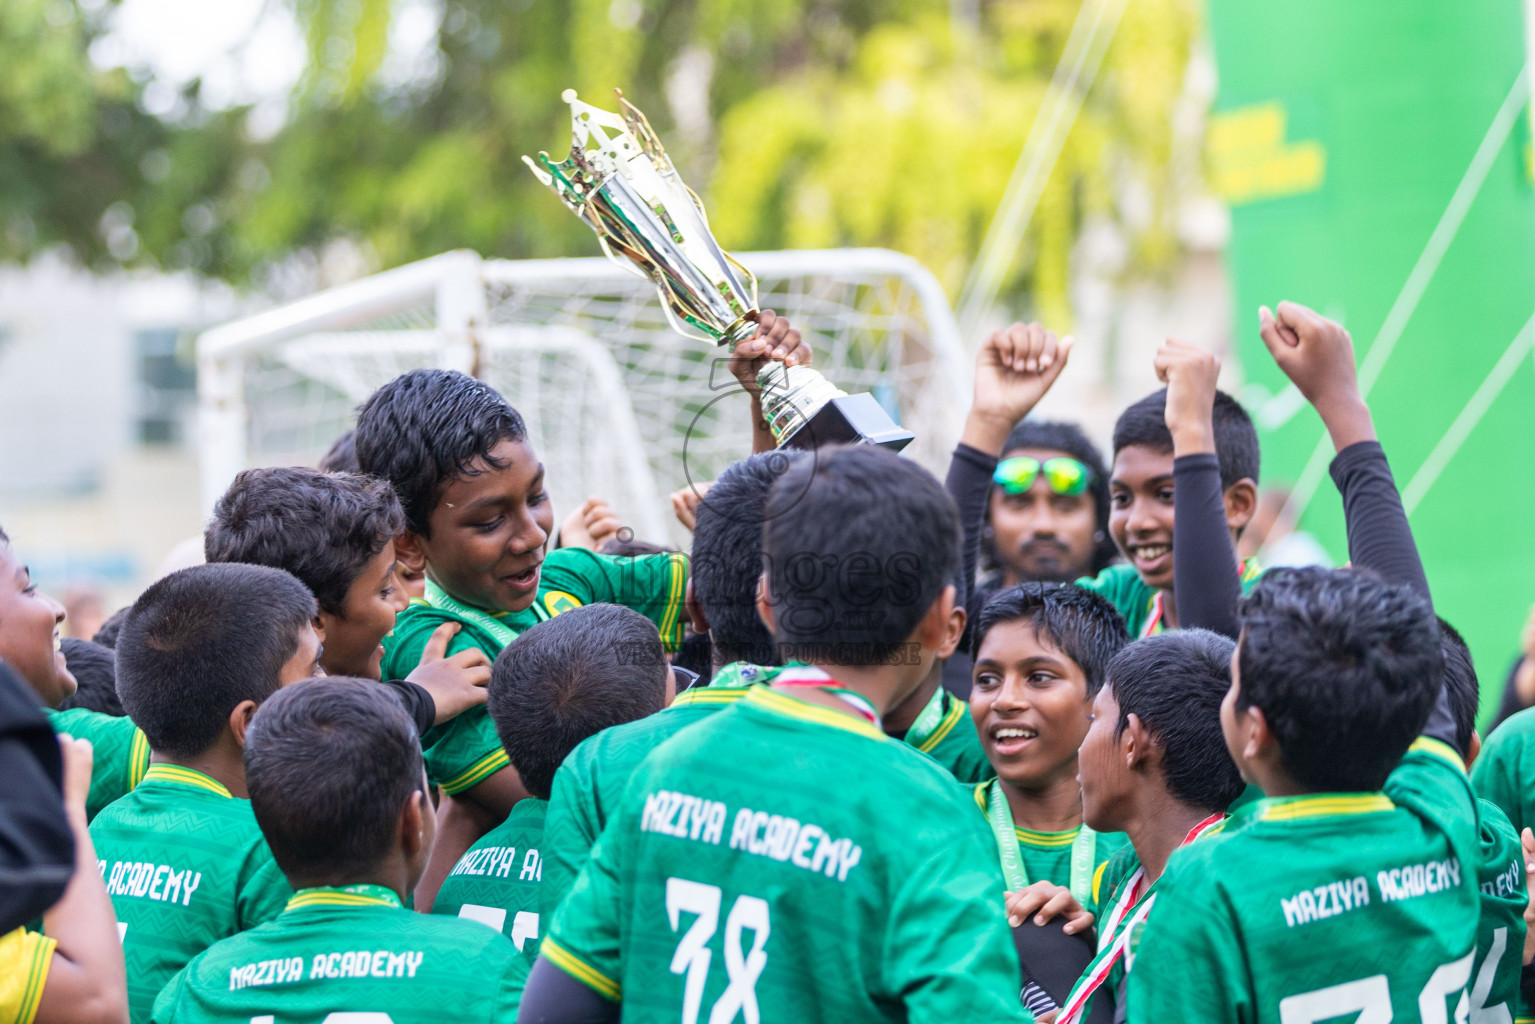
(246, 51)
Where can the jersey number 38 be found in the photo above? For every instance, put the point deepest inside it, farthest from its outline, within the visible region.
(693, 956)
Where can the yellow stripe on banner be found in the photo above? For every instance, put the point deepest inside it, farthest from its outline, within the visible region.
(335, 899)
(138, 759)
(579, 969)
(1319, 806)
(478, 772)
(945, 727)
(1438, 748)
(791, 708)
(186, 777)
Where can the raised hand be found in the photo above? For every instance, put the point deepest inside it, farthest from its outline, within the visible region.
(590, 525)
(1014, 369)
(1190, 374)
(1317, 355)
(456, 683)
(774, 340)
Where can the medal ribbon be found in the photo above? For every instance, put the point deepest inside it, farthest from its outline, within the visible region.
(1129, 910)
(1083, 848)
(805, 675)
(504, 634)
(928, 719)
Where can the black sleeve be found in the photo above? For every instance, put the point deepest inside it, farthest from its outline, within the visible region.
(969, 484)
(418, 703)
(1380, 540)
(1206, 580)
(554, 997)
(37, 848)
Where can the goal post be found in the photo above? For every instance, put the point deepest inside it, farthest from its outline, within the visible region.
(616, 403)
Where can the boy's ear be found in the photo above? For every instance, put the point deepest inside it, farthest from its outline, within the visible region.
(954, 632)
(696, 614)
(320, 620)
(1241, 500)
(240, 720)
(414, 840)
(765, 605)
(1258, 741)
(1476, 748)
(410, 551)
(1136, 741)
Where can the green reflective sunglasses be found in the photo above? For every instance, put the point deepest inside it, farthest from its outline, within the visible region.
(1064, 475)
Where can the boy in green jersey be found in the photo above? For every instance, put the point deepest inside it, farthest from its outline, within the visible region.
(1352, 889)
(1152, 766)
(722, 603)
(335, 532)
(336, 781)
(560, 682)
(1501, 936)
(1041, 652)
(785, 859)
(29, 640)
(1185, 471)
(182, 856)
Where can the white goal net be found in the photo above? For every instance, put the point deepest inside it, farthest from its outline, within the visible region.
(617, 404)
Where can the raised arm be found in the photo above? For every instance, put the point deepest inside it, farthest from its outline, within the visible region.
(1207, 582)
(774, 339)
(1013, 370)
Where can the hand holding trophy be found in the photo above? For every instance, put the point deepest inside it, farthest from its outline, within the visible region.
(619, 180)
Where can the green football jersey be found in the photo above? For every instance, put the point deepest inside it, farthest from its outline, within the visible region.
(596, 773)
(1047, 856)
(1503, 770)
(830, 874)
(497, 881)
(944, 732)
(349, 954)
(121, 753)
(185, 865)
(1500, 933)
(1141, 606)
(465, 750)
(1354, 906)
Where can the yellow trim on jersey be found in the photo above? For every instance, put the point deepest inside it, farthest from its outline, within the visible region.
(1098, 882)
(25, 958)
(1437, 748)
(185, 776)
(676, 591)
(778, 703)
(1047, 840)
(579, 969)
(331, 898)
(945, 726)
(476, 773)
(138, 758)
(1327, 804)
(708, 695)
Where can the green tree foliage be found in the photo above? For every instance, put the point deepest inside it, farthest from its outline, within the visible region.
(802, 122)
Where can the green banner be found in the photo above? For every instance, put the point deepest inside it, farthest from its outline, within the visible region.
(1375, 156)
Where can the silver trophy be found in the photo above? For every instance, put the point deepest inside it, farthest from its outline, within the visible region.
(619, 180)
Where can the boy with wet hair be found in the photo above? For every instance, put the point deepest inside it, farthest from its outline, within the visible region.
(857, 855)
(335, 532)
(337, 784)
(587, 670)
(183, 858)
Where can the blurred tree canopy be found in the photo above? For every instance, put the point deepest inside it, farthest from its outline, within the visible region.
(802, 122)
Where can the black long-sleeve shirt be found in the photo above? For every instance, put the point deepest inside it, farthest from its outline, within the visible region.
(37, 848)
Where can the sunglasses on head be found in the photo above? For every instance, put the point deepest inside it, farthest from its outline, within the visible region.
(1064, 475)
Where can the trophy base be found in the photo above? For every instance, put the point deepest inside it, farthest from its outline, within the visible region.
(849, 419)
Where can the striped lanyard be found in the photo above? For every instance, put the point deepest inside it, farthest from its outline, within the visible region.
(1128, 911)
(1083, 848)
(806, 675)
